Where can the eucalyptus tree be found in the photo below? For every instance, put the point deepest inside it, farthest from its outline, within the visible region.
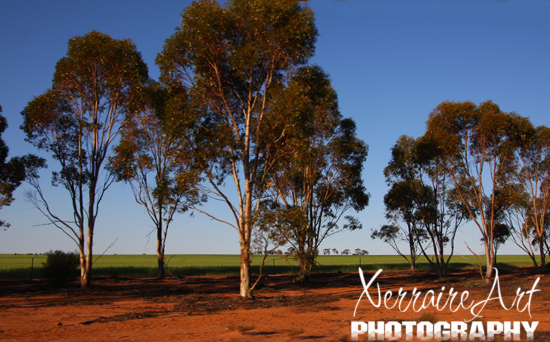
(318, 177)
(403, 202)
(529, 187)
(144, 158)
(475, 147)
(94, 88)
(516, 216)
(422, 203)
(229, 58)
(442, 210)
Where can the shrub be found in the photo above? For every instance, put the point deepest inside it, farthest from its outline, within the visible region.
(60, 267)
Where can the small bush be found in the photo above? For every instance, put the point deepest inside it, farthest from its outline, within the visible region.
(60, 267)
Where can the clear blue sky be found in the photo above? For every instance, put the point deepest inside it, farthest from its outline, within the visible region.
(391, 62)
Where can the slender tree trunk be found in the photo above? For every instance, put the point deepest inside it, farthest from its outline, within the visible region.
(81, 241)
(90, 241)
(161, 273)
(306, 261)
(442, 264)
(413, 254)
(302, 275)
(160, 252)
(245, 227)
(86, 280)
(489, 257)
(160, 246)
(245, 271)
(542, 255)
(82, 255)
(302, 260)
(245, 232)
(160, 270)
(312, 255)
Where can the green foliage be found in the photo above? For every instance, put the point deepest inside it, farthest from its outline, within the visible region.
(14, 171)
(489, 155)
(230, 59)
(144, 158)
(95, 86)
(318, 175)
(387, 233)
(526, 193)
(60, 267)
(420, 204)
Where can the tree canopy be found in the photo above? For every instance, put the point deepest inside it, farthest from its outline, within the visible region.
(318, 176)
(15, 170)
(475, 145)
(95, 86)
(229, 58)
(144, 158)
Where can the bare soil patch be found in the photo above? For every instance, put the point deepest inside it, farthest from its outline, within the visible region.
(209, 308)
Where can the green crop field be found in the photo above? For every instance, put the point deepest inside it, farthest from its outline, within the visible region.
(21, 266)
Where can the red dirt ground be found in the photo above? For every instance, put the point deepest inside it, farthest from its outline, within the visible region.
(209, 309)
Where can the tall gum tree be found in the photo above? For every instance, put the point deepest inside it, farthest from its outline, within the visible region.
(144, 158)
(443, 213)
(94, 88)
(403, 201)
(318, 176)
(529, 187)
(228, 58)
(475, 147)
(422, 196)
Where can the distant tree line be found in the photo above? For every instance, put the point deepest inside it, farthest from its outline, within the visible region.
(326, 251)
